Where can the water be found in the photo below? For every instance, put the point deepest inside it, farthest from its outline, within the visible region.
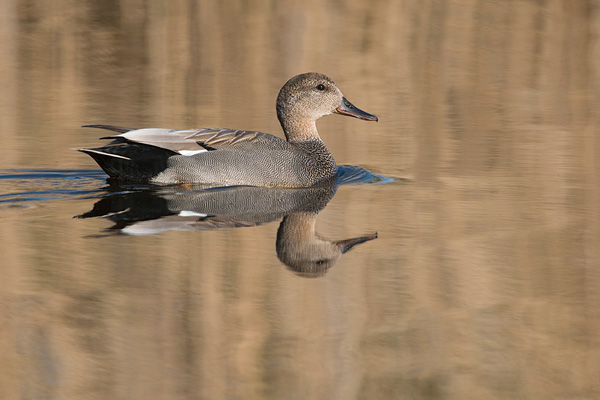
(35, 185)
(24, 185)
(457, 257)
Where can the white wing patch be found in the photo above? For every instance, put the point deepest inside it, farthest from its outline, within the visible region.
(191, 152)
(186, 213)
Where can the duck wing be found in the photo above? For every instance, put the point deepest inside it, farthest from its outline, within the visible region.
(236, 140)
(188, 142)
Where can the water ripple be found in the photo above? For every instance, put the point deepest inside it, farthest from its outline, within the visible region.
(351, 175)
(26, 185)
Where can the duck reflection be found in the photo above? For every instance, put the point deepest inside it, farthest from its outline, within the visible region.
(144, 211)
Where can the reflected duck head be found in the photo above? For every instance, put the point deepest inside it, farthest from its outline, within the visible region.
(303, 251)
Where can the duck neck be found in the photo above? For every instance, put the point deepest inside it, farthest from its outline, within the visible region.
(299, 130)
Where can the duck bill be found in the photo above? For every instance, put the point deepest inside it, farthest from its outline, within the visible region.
(347, 108)
(346, 245)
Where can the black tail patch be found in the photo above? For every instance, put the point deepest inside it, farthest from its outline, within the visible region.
(140, 165)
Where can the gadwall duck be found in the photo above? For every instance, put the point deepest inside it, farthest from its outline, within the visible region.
(234, 157)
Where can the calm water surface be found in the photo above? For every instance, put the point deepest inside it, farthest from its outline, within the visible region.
(457, 257)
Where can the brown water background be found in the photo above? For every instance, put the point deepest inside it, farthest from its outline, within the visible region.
(484, 282)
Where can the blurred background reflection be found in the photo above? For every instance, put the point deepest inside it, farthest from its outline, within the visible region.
(484, 282)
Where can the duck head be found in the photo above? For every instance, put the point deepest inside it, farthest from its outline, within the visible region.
(307, 97)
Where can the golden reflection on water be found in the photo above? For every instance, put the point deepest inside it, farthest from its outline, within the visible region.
(483, 283)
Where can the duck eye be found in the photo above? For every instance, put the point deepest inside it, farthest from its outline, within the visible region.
(320, 86)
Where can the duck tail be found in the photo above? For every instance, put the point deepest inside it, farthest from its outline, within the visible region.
(119, 129)
(95, 153)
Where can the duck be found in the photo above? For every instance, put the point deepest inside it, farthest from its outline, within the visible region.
(229, 157)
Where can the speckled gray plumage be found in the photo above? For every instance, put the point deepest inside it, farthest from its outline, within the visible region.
(235, 157)
(302, 164)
